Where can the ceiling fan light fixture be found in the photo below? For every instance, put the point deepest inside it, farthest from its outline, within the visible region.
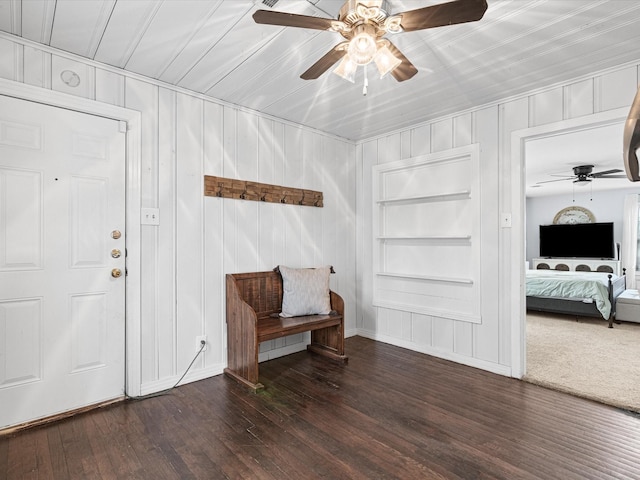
(385, 60)
(582, 182)
(347, 69)
(362, 47)
(362, 23)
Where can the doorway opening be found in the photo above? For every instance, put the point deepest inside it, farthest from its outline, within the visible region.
(520, 141)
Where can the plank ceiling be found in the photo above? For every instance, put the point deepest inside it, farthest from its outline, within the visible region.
(214, 47)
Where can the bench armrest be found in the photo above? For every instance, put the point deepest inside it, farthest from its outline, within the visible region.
(242, 334)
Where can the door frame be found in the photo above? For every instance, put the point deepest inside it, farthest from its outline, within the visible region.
(132, 206)
(516, 287)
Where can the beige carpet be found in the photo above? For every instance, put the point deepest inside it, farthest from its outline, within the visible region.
(585, 358)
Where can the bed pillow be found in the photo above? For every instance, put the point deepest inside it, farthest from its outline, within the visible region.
(305, 291)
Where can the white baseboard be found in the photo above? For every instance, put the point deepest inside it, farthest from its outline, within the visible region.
(194, 376)
(281, 352)
(212, 371)
(471, 362)
(297, 347)
(350, 333)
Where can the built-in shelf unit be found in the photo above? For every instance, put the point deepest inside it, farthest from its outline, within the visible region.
(426, 251)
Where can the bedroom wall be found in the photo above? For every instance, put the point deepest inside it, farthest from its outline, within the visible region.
(199, 239)
(606, 206)
(491, 343)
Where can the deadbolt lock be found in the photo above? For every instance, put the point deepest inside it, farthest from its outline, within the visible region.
(115, 253)
(116, 272)
(116, 234)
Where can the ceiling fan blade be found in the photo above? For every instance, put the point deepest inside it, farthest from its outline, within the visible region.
(292, 20)
(612, 176)
(606, 172)
(406, 69)
(557, 180)
(450, 13)
(325, 62)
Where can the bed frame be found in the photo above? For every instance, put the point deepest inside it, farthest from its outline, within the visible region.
(577, 308)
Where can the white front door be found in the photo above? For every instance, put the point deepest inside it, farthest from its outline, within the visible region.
(62, 234)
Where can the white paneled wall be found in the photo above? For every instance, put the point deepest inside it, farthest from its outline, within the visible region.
(486, 345)
(199, 239)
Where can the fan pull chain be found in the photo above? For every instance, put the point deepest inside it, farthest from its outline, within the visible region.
(366, 82)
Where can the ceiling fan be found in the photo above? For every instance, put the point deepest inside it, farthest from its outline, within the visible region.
(364, 23)
(583, 174)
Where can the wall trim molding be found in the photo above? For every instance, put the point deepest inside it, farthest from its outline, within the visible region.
(168, 383)
(434, 352)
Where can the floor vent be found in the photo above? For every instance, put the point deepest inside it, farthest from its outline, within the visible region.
(269, 3)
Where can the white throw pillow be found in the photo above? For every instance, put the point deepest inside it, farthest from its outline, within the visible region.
(305, 291)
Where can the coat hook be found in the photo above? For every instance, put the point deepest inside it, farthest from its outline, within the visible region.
(219, 192)
(284, 199)
(301, 202)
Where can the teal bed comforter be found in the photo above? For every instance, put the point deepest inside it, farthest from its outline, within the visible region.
(584, 286)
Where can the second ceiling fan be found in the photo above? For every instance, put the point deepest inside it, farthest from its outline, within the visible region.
(583, 174)
(363, 24)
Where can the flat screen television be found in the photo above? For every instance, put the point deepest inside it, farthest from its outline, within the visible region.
(580, 240)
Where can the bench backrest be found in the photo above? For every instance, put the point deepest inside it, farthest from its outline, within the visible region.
(261, 290)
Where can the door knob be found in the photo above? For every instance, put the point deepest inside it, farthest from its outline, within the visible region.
(115, 253)
(116, 272)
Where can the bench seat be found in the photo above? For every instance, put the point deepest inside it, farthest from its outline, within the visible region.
(271, 328)
(254, 301)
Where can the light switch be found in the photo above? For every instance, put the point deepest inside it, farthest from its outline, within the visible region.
(150, 216)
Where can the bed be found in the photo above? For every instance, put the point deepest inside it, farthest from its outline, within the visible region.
(590, 294)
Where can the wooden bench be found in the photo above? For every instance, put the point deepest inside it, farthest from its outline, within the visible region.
(254, 301)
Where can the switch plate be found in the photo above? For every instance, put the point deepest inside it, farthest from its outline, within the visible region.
(150, 216)
(505, 220)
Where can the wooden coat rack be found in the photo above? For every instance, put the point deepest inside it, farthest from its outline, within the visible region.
(260, 192)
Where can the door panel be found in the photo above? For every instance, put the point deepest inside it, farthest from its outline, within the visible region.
(88, 203)
(21, 323)
(61, 311)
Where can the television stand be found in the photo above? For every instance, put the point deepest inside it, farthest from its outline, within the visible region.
(577, 264)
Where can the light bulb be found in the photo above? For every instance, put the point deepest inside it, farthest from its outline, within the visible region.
(346, 69)
(362, 48)
(385, 60)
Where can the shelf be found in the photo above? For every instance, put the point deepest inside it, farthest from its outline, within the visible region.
(441, 197)
(409, 276)
(453, 238)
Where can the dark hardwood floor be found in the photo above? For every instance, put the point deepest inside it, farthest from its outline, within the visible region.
(388, 413)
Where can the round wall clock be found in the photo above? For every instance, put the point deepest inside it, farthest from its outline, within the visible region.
(574, 215)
